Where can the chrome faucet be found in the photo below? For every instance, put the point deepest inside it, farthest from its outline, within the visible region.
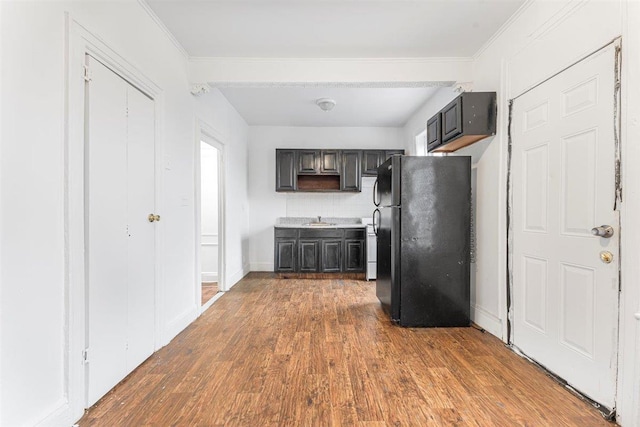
(319, 218)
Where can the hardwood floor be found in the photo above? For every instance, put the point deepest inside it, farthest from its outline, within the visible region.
(274, 352)
(209, 289)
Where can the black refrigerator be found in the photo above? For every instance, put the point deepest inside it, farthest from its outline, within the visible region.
(422, 222)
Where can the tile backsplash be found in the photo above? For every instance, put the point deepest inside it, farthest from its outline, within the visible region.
(356, 205)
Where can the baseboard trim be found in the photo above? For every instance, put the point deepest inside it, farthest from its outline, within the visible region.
(261, 266)
(487, 321)
(177, 325)
(237, 276)
(60, 416)
(209, 303)
(209, 276)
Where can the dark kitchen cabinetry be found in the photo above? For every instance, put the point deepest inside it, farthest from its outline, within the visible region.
(331, 256)
(330, 162)
(371, 159)
(329, 250)
(318, 170)
(308, 161)
(434, 138)
(309, 255)
(286, 176)
(465, 120)
(351, 173)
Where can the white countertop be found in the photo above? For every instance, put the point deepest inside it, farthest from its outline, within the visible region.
(305, 222)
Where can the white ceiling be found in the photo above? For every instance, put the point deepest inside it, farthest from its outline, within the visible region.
(296, 106)
(333, 28)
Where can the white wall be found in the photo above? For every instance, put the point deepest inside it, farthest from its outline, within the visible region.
(33, 307)
(267, 205)
(418, 120)
(542, 40)
(209, 212)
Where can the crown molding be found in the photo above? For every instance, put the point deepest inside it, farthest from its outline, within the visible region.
(504, 27)
(412, 60)
(359, 85)
(145, 6)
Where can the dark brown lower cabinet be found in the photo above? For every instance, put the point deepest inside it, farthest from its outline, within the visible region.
(330, 250)
(309, 255)
(354, 255)
(331, 256)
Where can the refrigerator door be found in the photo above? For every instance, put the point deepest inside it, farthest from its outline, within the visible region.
(387, 269)
(388, 183)
(435, 241)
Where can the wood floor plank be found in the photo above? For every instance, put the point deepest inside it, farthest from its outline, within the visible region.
(301, 352)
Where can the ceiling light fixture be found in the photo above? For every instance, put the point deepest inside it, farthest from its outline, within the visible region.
(325, 104)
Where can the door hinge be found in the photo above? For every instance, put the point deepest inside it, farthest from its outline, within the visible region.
(85, 356)
(86, 73)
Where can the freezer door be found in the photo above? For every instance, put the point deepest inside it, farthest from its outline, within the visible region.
(388, 183)
(388, 263)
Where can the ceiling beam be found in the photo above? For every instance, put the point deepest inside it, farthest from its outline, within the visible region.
(347, 72)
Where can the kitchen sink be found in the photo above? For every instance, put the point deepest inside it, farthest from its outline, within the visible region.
(319, 224)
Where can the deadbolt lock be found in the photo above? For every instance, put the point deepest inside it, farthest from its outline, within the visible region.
(606, 257)
(153, 217)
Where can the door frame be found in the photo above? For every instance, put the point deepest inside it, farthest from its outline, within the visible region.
(508, 336)
(80, 42)
(207, 134)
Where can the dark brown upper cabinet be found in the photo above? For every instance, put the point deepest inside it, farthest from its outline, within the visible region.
(308, 162)
(371, 159)
(351, 176)
(286, 177)
(434, 137)
(330, 162)
(465, 120)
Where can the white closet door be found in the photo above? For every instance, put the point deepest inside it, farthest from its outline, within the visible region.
(106, 201)
(565, 296)
(141, 197)
(120, 239)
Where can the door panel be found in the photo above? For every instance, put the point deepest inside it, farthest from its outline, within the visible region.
(309, 255)
(141, 242)
(331, 256)
(106, 210)
(120, 240)
(565, 299)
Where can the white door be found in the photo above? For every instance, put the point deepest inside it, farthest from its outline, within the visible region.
(120, 240)
(565, 298)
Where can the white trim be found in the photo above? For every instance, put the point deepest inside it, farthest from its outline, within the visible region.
(488, 321)
(237, 276)
(209, 276)
(261, 266)
(209, 244)
(512, 19)
(80, 42)
(213, 299)
(163, 28)
(287, 60)
(209, 135)
(181, 321)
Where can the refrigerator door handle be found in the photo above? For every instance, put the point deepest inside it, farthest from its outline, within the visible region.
(376, 224)
(376, 200)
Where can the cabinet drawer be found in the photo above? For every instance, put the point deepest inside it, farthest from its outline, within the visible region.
(327, 233)
(286, 232)
(355, 233)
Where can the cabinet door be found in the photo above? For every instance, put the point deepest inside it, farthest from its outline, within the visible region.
(452, 119)
(308, 161)
(331, 256)
(351, 173)
(433, 132)
(371, 159)
(390, 153)
(285, 256)
(354, 255)
(330, 162)
(309, 255)
(286, 178)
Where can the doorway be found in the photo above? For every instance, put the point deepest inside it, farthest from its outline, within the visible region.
(565, 285)
(211, 224)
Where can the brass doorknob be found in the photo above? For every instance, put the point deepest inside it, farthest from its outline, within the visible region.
(153, 217)
(606, 257)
